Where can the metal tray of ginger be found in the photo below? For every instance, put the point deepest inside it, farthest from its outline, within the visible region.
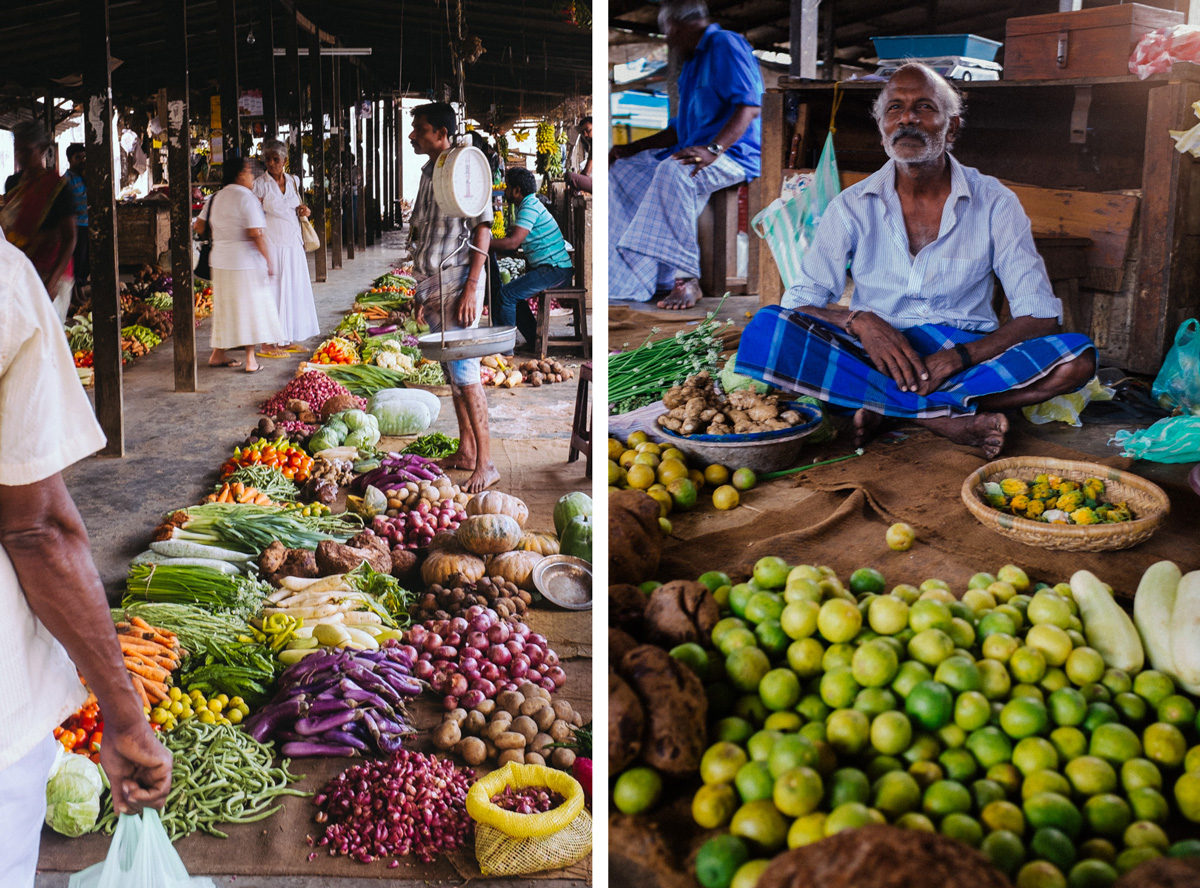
(564, 580)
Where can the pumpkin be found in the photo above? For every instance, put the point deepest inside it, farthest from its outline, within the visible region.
(493, 502)
(568, 507)
(445, 540)
(577, 538)
(489, 534)
(541, 541)
(516, 567)
(448, 568)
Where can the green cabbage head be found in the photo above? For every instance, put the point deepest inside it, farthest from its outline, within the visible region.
(73, 796)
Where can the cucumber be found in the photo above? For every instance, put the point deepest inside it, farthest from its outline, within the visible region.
(1107, 627)
(184, 549)
(1153, 606)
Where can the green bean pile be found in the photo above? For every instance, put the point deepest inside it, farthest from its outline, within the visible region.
(220, 775)
(264, 479)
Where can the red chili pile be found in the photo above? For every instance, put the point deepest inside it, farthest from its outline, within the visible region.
(530, 800)
(408, 804)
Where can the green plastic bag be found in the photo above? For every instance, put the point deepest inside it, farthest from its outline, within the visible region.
(140, 856)
(1177, 386)
(788, 224)
(1175, 439)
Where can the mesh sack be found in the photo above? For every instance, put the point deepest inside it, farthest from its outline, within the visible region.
(512, 844)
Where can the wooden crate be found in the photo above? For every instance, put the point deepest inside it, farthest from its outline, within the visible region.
(1086, 43)
(143, 232)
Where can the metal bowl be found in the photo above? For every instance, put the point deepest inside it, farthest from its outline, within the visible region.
(476, 342)
(565, 580)
(760, 451)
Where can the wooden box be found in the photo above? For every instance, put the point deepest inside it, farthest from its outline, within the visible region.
(1086, 43)
(143, 231)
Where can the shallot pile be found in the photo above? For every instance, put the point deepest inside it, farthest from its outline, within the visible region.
(530, 800)
(408, 804)
(416, 529)
(313, 387)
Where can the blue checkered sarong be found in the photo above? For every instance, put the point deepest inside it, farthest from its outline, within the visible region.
(799, 353)
(652, 213)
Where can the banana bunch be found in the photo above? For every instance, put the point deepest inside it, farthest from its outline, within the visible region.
(498, 227)
(502, 147)
(545, 137)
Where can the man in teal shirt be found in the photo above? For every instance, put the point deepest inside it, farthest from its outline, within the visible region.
(547, 262)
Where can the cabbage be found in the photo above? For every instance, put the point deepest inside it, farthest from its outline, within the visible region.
(354, 419)
(335, 428)
(402, 417)
(73, 796)
(323, 440)
(363, 439)
(397, 395)
(733, 382)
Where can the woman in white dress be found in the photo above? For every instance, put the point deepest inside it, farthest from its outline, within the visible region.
(284, 208)
(244, 312)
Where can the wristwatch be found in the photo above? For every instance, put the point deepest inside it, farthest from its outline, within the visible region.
(715, 148)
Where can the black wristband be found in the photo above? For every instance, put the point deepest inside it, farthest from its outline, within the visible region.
(963, 355)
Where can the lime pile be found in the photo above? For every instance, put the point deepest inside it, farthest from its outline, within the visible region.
(988, 719)
(662, 472)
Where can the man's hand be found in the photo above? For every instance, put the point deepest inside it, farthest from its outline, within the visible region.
(137, 765)
(419, 317)
(467, 305)
(941, 366)
(619, 152)
(696, 155)
(891, 353)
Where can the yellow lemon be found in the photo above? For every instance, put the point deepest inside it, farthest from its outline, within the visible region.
(670, 469)
(640, 476)
(716, 475)
(725, 497)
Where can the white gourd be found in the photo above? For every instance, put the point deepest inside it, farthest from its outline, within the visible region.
(1107, 627)
(1152, 608)
(1185, 626)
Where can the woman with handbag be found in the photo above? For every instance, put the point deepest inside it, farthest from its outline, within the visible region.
(244, 311)
(286, 213)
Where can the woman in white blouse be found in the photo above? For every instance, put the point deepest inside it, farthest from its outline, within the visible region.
(244, 312)
(284, 208)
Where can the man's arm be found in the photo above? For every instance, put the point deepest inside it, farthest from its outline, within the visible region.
(467, 304)
(45, 539)
(662, 139)
(735, 127)
(512, 241)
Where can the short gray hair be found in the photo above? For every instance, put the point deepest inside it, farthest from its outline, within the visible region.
(679, 11)
(276, 147)
(949, 98)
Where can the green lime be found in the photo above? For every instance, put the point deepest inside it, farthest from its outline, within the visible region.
(964, 828)
(693, 656)
(931, 647)
(1005, 849)
(786, 722)
(1107, 814)
(746, 667)
(1045, 781)
(771, 638)
(1138, 773)
(744, 479)
(1117, 681)
(958, 764)
(1153, 686)
(1144, 834)
(847, 785)
(718, 859)
(1046, 607)
(799, 619)
(779, 689)
(739, 595)
(1053, 845)
(915, 820)
(750, 707)
(930, 704)
(959, 674)
(1185, 848)
(813, 708)
(735, 639)
(990, 746)
(721, 761)
(1149, 804)
(910, 675)
(1023, 717)
(792, 751)
(1092, 874)
(1067, 707)
(848, 731)
(683, 493)
(851, 815)
(798, 792)
(839, 688)
(1115, 742)
(946, 797)
(887, 614)
(900, 537)
(924, 748)
(637, 790)
(839, 620)
(1003, 815)
(1049, 809)
(733, 729)
(806, 830)
(1187, 795)
(725, 625)
(1027, 665)
(1035, 754)
(985, 791)
(1132, 858)
(1091, 775)
(867, 579)
(804, 656)
(1098, 714)
(996, 684)
(760, 823)
(996, 623)
(760, 745)
(896, 793)
(891, 733)
(929, 614)
(1176, 710)
(1055, 679)
(1070, 743)
(771, 572)
(1095, 693)
(874, 701)
(1084, 666)
(1164, 744)
(1133, 709)
(714, 580)
(1098, 849)
(971, 710)
(714, 804)
(838, 656)
(980, 580)
(875, 664)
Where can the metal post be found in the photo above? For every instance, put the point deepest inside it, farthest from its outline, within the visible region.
(371, 190)
(294, 94)
(102, 219)
(400, 134)
(337, 133)
(266, 40)
(360, 174)
(803, 33)
(179, 174)
(231, 139)
(52, 158)
(316, 86)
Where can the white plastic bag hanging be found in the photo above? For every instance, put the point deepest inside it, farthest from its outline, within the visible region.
(140, 856)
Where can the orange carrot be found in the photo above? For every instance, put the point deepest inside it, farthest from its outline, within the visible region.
(143, 671)
(140, 688)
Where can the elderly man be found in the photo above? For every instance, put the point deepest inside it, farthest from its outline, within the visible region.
(658, 185)
(922, 238)
(450, 279)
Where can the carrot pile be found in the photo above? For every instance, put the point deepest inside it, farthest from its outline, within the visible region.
(374, 312)
(151, 655)
(239, 493)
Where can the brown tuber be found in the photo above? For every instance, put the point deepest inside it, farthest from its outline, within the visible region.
(679, 612)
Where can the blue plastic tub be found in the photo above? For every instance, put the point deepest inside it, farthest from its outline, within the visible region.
(929, 46)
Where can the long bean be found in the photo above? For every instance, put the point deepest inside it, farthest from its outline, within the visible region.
(197, 627)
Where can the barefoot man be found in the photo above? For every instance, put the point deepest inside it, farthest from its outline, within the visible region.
(433, 237)
(922, 238)
(658, 185)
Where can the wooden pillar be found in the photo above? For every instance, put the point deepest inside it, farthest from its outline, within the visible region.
(371, 182)
(293, 94)
(316, 87)
(179, 172)
(802, 33)
(231, 139)
(338, 133)
(360, 174)
(266, 40)
(764, 272)
(102, 219)
(48, 125)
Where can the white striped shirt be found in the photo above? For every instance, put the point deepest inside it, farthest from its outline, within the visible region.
(984, 230)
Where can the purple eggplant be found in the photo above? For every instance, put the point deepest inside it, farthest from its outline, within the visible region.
(341, 738)
(380, 331)
(390, 742)
(310, 727)
(311, 748)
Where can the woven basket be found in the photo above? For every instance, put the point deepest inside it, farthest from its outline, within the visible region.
(1146, 501)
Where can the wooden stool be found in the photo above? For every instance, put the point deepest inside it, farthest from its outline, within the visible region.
(716, 233)
(581, 427)
(577, 299)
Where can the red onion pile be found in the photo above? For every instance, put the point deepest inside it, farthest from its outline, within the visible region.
(408, 804)
(474, 657)
(416, 529)
(295, 428)
(530, 800)
(314, 387)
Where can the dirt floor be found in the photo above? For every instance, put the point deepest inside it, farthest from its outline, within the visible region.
(174, 444)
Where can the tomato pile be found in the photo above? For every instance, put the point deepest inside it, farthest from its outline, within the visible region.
(336, 351)
(83, 732)
(290, 459)
(83, 359)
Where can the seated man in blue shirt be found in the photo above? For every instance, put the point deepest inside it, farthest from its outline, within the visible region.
(658, 185)
(922, 238)
(547, 263)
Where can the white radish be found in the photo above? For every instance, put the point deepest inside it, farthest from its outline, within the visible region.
(1152, 608)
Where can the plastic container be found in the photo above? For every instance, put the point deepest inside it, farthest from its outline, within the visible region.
(927, 46)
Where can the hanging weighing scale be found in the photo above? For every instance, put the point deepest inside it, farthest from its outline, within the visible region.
(462, 187)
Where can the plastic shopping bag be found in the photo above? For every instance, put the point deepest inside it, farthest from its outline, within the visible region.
(1177, 386)
(1066, 408)
(789, 223)
(1175, 439)
(140, 856)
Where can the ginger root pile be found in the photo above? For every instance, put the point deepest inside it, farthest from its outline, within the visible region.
(696, 408)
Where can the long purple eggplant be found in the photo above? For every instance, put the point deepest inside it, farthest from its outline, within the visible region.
(341, 738)
(310, 727)
(311, 748)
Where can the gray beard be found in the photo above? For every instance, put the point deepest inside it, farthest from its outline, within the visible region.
(935, 147)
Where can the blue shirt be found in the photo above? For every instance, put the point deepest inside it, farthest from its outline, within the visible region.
(79, 193)
(544, 245)
(722, 74)
(984, 231)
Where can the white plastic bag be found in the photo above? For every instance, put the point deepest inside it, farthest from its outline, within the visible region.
(1066, 408)
(140, 856)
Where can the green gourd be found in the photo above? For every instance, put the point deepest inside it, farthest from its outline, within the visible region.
(577, 538)
(568, 507)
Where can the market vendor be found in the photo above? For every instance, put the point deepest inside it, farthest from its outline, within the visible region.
(922, 237)
(51, 600)
(548, 264)
(659, 185)
(459, 280)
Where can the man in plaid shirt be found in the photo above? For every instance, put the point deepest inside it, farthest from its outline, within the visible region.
(433, 238)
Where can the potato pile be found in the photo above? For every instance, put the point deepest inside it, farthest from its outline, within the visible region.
(406, 497)
(545, 371)
(518, 726)
(442, 603)
(697, 408)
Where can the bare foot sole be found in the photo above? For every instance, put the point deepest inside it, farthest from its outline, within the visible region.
(684, 295)
(866, 426)
(481, 479)
(465, 463)
(983, 430)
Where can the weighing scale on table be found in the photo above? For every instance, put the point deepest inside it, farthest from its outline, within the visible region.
(462, 187)
(950, 67)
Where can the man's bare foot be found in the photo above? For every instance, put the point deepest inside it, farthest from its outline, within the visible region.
(481, 479)
(983, 430)
(463, 461)
(866, 426)
(685, 294)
